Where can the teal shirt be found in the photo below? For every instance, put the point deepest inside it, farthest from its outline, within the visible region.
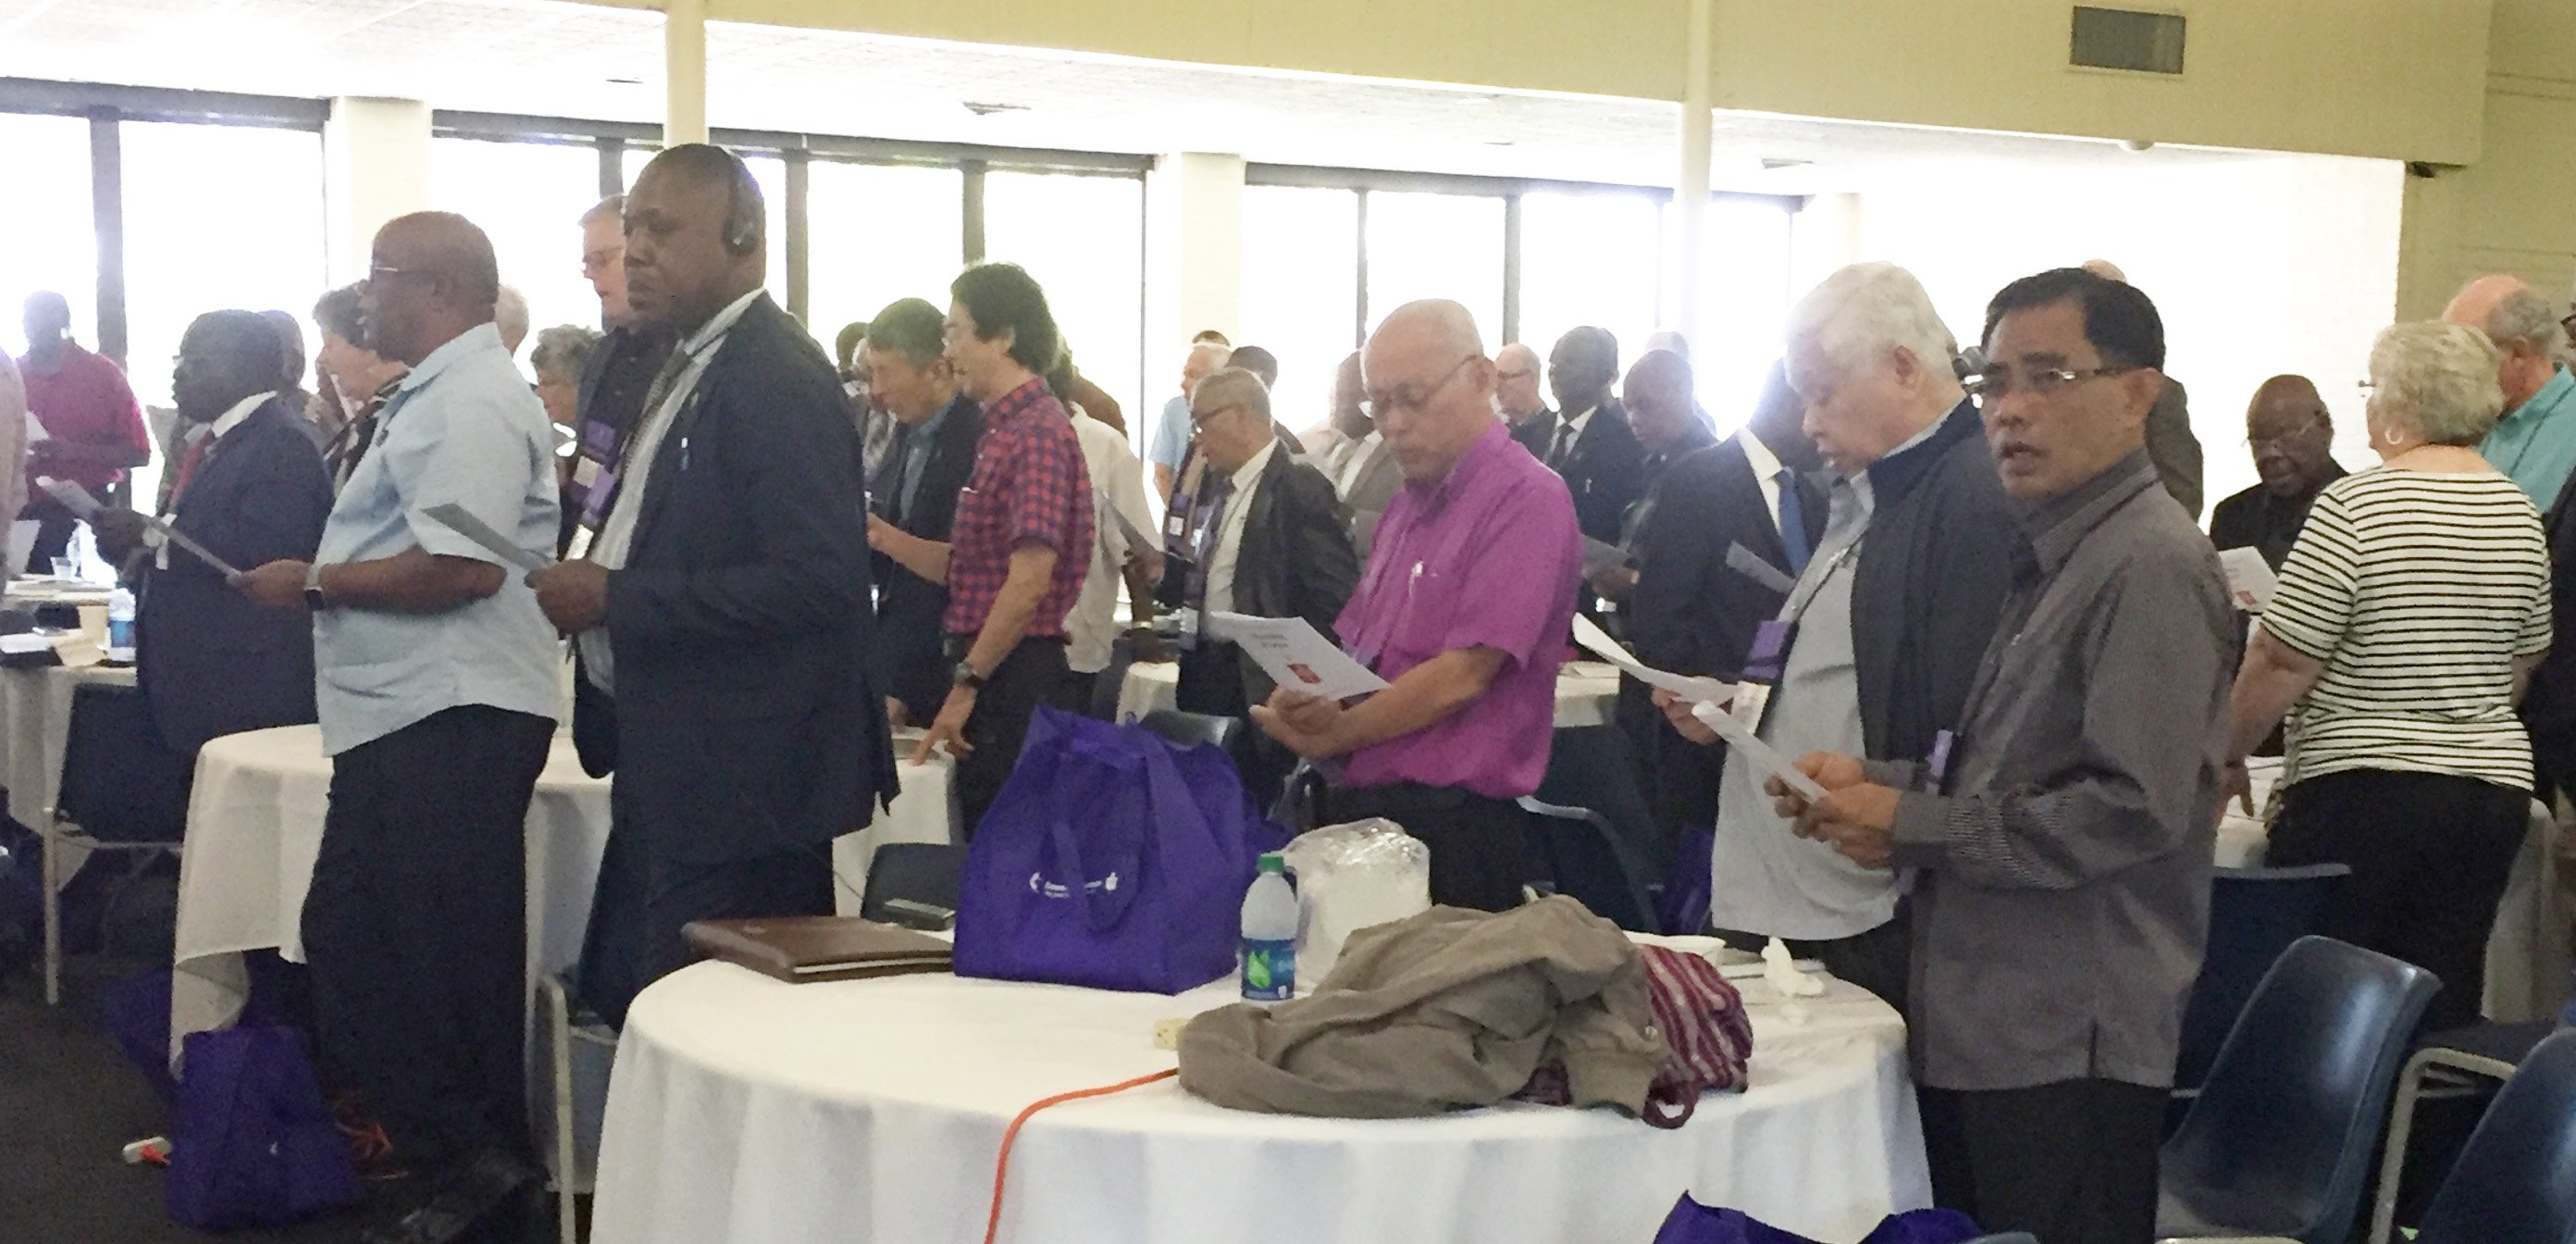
(2535, 444)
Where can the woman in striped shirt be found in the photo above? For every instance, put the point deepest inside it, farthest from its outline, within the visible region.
(2409, 616)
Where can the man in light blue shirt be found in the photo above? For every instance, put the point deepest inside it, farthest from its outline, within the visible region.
(438, 691)
(2534, 444)
(1208, 352)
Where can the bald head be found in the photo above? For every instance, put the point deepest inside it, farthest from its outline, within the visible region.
(1658, 397)
(433, 279)
(1350, 399)
(1516, 377)
(2523, 326)
(2106, 270)
(1430, 386)
(2292, 435)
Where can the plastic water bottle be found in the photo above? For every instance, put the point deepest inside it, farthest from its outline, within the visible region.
(120, 620)
(1270, 934)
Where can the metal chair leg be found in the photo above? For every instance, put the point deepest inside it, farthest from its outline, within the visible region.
(2392, 1162)
(50, 878)
(559, 1022)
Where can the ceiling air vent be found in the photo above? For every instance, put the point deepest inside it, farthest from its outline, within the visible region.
(2127, 39)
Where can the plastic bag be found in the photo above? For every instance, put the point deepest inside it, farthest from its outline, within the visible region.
(1348, 878)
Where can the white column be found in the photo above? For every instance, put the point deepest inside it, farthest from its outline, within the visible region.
(684, 71)
(375, 166)
(1194, 251)
(1690, 185)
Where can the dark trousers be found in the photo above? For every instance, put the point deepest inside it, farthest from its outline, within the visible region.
(1480, 852)
(645, 896)
(416, 929)
(1211, 684)
(1680, 777)
(54, 527)
(1032, 675)
(1879, 960)
(2430, 854)
(2072, 1162)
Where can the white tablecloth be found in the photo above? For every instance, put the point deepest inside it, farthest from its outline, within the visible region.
(1585, 691)
(255, 826)
(748, 1110)
(35, 722)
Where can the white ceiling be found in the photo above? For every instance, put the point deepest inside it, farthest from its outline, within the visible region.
(551, 58)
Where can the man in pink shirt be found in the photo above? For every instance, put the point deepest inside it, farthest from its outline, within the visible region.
(1464, 609)
(93, 429)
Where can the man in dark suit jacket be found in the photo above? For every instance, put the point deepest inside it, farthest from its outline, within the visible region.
(1689, 606)
(915, 491)
(249, 486)
(1591, 445)
(1271, 542)
(722, 604)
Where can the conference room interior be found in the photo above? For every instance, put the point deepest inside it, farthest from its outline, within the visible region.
(2303, 181)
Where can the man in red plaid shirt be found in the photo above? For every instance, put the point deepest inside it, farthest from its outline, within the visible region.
(1021, 540)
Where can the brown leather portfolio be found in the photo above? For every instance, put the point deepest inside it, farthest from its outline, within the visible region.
(797, 949)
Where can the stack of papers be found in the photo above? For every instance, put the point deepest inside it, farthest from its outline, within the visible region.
(1295, 655)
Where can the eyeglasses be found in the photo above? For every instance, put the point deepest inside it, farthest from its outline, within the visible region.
(1199, 418)
(1992, 385)
(376, 272)
(1381, 404)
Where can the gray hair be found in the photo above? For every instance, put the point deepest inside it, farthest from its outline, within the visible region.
(2437, 379)
(510, 314)
(1865, 311)
(2524, 319)
(560, 352)
(611, 209)
(1219, 354)
(1237, 384)
(910, 327)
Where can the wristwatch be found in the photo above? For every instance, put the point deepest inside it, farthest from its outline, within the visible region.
(965, 676)
(313, 598)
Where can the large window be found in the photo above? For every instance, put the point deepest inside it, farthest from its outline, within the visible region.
(1744, 305)
(528, 198)
(1301, 252)
(1589, 259)
(879, 233)
(1083, 238)
(1437, 246)
(45, 215)
(196, 240)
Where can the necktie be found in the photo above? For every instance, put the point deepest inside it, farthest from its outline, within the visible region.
(1556, 454)
(188, 464)
(1793, 522)
(1203, 549)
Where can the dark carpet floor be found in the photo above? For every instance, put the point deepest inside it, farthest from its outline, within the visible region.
(69, 1101)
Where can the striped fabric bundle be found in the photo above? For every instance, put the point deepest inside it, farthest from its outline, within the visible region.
(1708, 1039)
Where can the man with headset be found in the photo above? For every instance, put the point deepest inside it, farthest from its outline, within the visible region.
(718, 598)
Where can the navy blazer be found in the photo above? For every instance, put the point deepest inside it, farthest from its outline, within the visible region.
(1605, 470)
(209, 661)
(745, 716)
(908, 663)
(1692, 612)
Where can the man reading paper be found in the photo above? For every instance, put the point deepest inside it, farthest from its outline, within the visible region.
(1463, 609)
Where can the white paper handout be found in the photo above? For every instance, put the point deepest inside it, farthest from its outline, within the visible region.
(1766, 759)
(1294, 655)
(2250, 581)
(79, 501)
(458, 519)
(1696, 690)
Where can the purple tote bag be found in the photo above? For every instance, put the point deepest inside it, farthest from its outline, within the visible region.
(1111, 859)
(1694, 1223)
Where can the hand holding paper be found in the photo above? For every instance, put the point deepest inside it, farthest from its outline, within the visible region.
(1597, 641)
(78, 500)
(1295, 656)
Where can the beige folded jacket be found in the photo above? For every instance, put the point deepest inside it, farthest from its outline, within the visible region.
(1447, 1009)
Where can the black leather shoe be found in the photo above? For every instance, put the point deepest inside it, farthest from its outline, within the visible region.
(467, 1198)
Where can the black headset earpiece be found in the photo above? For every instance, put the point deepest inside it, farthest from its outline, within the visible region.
(741, 227)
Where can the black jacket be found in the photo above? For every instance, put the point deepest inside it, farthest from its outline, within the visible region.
(1939, 557)
(906, 658)
(2549, 706)
(615, 378)
(1534, 433)
(745, 716)
(1691, 612)
(1296, 559)
(1605, 470)
(210, 662)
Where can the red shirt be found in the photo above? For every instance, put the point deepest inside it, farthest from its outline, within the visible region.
(1029, 484)
(85, 401)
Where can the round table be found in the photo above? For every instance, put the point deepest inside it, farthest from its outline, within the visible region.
(255, 825)
(1585, 691)
(746, 1109)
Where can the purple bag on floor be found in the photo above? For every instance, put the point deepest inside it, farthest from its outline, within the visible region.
(254, 1146)
(1111, 859)
(1694, 1223)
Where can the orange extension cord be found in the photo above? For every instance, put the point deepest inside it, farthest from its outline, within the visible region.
(1002, 1166)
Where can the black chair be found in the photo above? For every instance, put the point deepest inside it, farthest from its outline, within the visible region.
(913, 884)
(2254, 915)
(2515, 1182)
(122, 789)
(2008, 1237)
(1576, 845)
(2279, 1142)
(2461, 1063)
(1192, 729)
(1595, 768)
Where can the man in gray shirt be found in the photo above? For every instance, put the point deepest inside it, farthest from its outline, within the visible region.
(2060, 840)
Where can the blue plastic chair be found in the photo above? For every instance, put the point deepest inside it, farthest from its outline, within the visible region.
(1191, 729)
(2280, 1140)
(2254, 915)
(2515, 1182)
